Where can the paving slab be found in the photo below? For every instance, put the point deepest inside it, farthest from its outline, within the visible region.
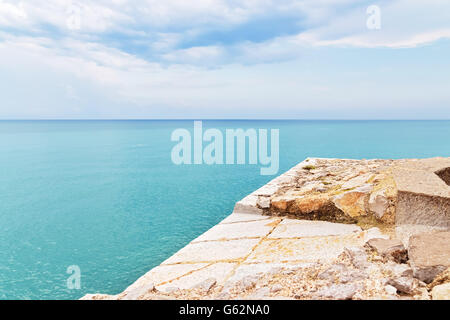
(213, 251)
(253, 229)
(243, 217)
(430, 164)
(218, 271)
(420, 182)
(292, 228)
(252, 269)
(157, 276)
(305, 249)
(429, 254)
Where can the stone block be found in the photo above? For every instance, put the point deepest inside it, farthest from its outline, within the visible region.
(303, 250)
(292, 228)
(390, 249)
(441, 292)
(429, 254)
(423, 196)
(352, 203)
(379, 203)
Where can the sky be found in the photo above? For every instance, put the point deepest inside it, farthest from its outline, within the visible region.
(203, 59)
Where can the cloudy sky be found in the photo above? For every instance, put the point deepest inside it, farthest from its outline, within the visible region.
(305, 59)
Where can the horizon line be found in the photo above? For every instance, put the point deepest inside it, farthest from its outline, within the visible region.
(214, 119)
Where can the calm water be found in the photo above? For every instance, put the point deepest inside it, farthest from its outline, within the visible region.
(104, 195)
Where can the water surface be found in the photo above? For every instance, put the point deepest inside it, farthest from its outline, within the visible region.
(104, 195)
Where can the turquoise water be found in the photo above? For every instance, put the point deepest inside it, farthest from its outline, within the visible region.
(104, 195)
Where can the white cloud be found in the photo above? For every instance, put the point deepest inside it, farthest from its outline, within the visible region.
(202, 75)
(342, 23)
(403, 24)
(206, 56)
(165, 23)
(10, 13)
(122, 77)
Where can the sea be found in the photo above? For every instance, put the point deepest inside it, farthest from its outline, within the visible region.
(105, 198)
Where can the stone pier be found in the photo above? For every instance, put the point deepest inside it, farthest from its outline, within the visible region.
(326, 229)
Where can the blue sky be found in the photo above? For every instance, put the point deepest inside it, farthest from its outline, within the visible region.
(284, 59)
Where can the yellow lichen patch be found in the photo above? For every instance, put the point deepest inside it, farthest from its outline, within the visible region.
(279, 204)
(309, 204)
(336, 190)
(371, 179)
(273, 223)
(388, 186)
(370, 190)
(387, 183)
(352, 203)
(369, 221)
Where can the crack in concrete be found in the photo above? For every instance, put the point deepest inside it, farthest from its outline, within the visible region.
(256, 220)
(186, 274)
(227, 239)
(204, 261)
(276, 224)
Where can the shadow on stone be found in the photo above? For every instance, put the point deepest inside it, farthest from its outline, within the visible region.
(444, 174)
(326, 212)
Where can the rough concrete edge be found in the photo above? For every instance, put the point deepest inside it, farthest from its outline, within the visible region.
(254, 202)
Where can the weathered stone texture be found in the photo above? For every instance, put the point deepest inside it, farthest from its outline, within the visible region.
(390, 249)
(429, 254)
(342, 190)
(443, 277)
(441, 292)
(378, 203)
(291, 228)
(423, 197)
(444, 174)
(212, 251)
(338, 191)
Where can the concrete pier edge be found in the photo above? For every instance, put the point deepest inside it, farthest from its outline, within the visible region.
(255, 238)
